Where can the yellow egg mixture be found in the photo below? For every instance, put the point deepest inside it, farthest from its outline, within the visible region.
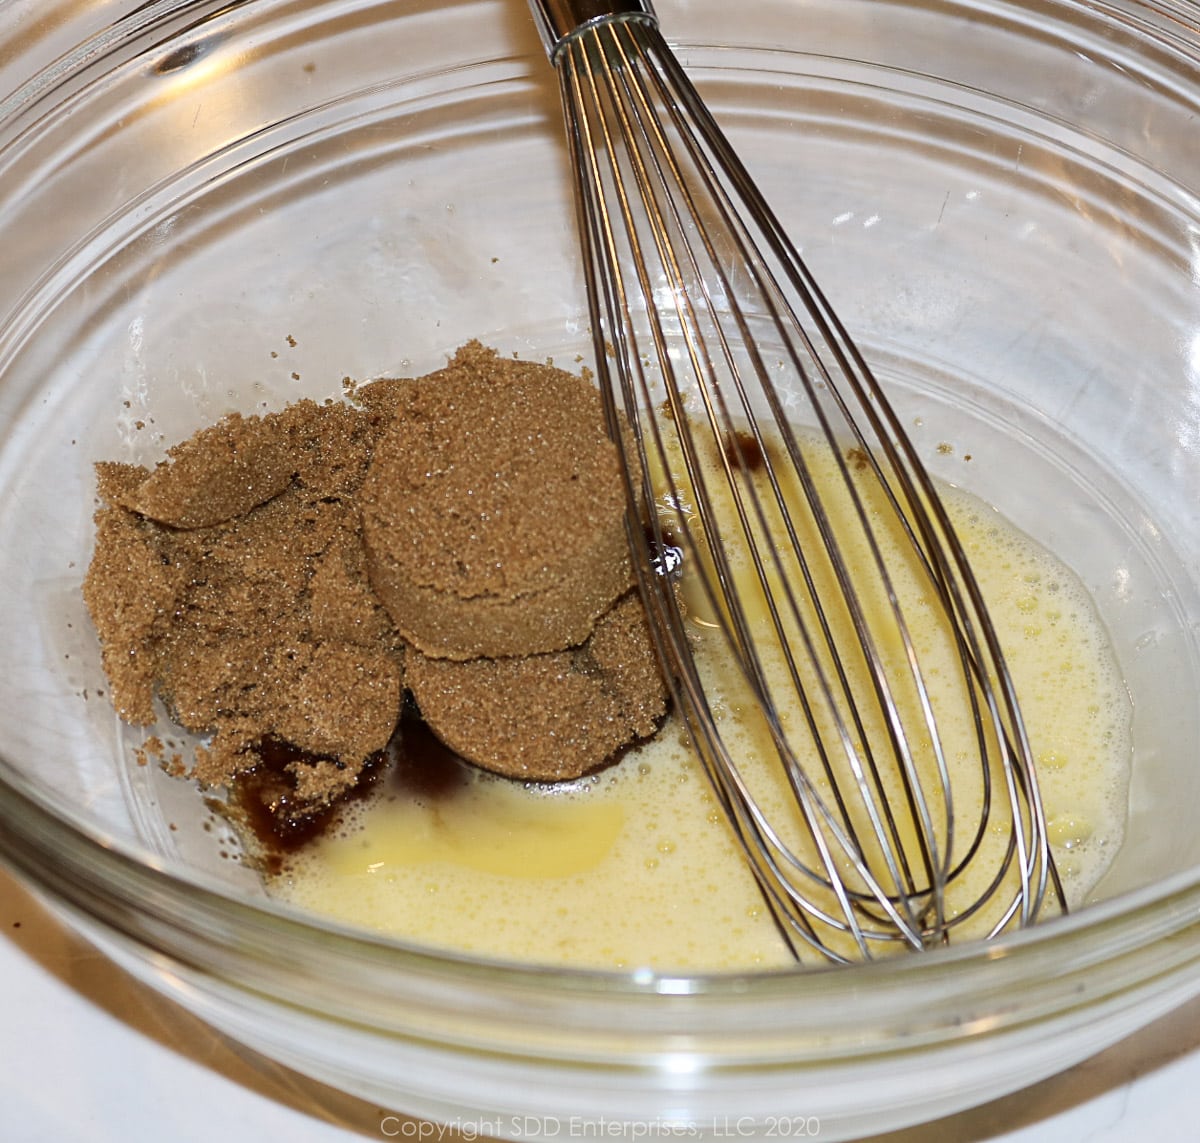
(635, 866)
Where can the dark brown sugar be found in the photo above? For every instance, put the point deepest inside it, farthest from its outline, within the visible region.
(243, 602)
(551, 716)
(493, 512)
(221, 472)
(233, 583)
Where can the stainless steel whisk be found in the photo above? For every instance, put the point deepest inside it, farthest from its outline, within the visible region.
(828, 644)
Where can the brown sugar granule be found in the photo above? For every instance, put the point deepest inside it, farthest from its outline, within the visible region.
(153, 747)
(493, 511)
(230, 581)
(552, 716)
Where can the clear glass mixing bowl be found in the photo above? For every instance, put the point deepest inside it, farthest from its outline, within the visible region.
(215, 205)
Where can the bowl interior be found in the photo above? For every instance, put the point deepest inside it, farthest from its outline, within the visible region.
(255, 202)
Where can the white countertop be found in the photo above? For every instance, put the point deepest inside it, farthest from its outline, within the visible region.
(88, 1054)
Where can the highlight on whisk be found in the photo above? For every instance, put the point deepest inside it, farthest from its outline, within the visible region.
(831, 652)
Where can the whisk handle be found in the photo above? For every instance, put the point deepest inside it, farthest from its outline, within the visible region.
(559, 20)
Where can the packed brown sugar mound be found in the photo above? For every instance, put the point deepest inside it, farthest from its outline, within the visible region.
(549, 716)
(493, 512)
(239, 583)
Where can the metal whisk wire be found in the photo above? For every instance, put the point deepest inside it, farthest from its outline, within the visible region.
(774, 464)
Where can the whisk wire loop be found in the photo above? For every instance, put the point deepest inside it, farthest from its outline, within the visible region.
(647, 175)
(827, 742)
(666, 252)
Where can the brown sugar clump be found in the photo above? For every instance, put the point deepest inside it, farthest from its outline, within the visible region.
(552, 716)
(219, 473)
(130, 590)
(493, 511)
(242, 582)
(231, 582)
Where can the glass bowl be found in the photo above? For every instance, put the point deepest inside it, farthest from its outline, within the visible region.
(209, 206)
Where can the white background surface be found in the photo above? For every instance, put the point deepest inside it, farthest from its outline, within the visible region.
(88, 1054)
